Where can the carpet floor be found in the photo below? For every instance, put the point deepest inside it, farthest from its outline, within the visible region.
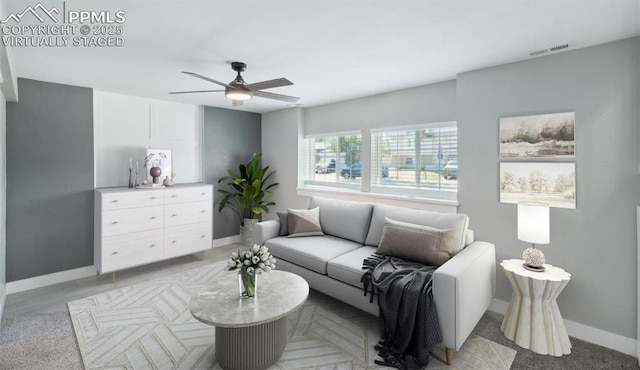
(44, 341)
(148, 325)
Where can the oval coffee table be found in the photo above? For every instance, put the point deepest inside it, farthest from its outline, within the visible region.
(251, 333)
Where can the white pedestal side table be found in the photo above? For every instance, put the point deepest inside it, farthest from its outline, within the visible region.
(533, 319)
(251, 333)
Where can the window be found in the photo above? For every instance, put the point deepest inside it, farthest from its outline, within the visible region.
(334, 160)
(417, 160)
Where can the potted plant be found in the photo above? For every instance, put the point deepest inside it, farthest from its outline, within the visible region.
(246, 194)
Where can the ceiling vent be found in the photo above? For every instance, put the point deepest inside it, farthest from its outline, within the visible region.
(548, 50)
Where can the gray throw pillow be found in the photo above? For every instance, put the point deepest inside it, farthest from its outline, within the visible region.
(284, 223)
(304, 222)
(424, 244)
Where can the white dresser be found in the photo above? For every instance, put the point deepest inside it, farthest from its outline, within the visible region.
(138, 226)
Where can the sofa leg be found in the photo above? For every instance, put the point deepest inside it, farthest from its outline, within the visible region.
(449, 353)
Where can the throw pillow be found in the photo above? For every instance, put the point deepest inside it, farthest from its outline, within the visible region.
(424, 244)
(304, 222)
(284, 223)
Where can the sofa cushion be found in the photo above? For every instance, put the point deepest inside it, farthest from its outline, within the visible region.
(284, 223)
(312, 252)
(304, 222)
(456, 221)
(348, 267)
(342, 218)
(425, 244)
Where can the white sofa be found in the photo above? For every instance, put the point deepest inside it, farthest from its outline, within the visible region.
(463, 287)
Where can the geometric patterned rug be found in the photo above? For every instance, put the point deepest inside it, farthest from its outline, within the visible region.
(148, 326)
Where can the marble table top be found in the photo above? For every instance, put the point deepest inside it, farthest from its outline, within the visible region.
(550, 272)
(279, 293)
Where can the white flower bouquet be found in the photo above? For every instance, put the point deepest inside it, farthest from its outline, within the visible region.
(251, 263)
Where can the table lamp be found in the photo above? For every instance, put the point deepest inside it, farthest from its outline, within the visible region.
(533, 227)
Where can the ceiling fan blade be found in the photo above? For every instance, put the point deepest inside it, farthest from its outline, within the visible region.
(194, 91)
(268, 95)
(237, 103)
(269, 84)
(206, 78)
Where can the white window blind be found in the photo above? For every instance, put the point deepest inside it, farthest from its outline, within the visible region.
(417, 160)
(334, 161)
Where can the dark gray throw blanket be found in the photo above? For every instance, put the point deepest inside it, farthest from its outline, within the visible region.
(409, 321)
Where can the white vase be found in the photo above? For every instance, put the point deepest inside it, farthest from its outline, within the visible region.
(246, 232)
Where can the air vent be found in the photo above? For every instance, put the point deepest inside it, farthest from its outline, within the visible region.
(538, 52)
(549, 50)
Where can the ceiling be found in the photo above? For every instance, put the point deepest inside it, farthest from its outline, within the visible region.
(331, 50)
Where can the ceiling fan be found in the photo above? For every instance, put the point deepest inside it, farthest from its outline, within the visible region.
(239, 91)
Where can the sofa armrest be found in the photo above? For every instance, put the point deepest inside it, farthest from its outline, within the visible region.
(266, 230)
(463, 289)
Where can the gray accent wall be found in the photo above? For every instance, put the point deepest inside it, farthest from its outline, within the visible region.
(230, 138)
(596, 242)
(3, 203)
(49, 179)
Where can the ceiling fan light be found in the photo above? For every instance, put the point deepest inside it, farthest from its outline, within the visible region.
(238, 95)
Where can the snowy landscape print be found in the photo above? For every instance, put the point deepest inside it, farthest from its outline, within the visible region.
(543, 135)
(551, 183)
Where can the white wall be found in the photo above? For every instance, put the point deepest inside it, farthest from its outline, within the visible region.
(125, 126)
(281, 133)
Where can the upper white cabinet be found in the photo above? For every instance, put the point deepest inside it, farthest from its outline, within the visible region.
(125, 126)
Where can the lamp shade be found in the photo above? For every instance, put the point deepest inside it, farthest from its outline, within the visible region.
(533, 222)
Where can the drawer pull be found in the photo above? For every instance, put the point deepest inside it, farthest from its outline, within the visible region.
(152, 218)
(114, 222)
(174, 215)
(203, 211)
(152, 198)
(152, 246)
(202, 236)
(114, 253)
(203, 193)
(174, 196)
(114, 201)
(174, 242)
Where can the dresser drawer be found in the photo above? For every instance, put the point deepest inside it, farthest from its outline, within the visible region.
(132, 199)
(191, 194)
(187, 213)
(181, 240)
(131, 220)
(122, 251)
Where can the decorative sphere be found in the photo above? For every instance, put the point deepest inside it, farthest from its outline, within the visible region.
(533, 257)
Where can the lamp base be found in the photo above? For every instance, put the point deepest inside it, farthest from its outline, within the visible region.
(533, 268)
(533, 259)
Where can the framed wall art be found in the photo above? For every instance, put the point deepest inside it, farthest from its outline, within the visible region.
(538, 136)
(553, 183)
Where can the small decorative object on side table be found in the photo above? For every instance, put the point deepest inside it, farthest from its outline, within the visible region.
(250, 264)
(533, 318)
(533, 227)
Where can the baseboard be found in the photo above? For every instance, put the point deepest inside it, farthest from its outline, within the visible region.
(226, 241)
(3, 299)
(586, 333)
(79, 273)
(50, 279)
